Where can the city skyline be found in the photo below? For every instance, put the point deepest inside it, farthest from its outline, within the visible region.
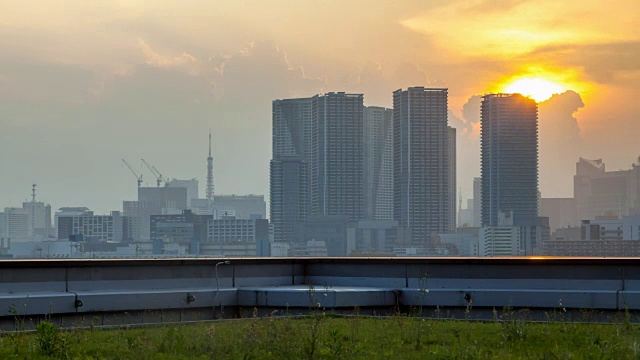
(84, 88)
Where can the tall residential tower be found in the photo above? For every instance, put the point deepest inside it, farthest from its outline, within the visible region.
(337, 169)
(378, 163)
(289, 173)
(421, 163)
(210, 188)
(509, 159)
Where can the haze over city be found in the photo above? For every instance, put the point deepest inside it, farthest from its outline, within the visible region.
(86, 84)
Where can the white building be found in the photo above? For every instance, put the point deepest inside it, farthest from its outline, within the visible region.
(466, 243)
(611, 229)
(39, 219)
(500, 241)
(14, 224)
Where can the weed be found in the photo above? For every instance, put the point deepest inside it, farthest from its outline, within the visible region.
(48, 338)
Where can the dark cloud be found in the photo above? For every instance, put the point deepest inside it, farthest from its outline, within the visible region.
(611, 63)
(471, 109)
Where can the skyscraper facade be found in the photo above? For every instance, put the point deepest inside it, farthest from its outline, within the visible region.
(378, 163)
(451, 169)
(421, 165)
(509, 158)
(337, 167)
(289, 174)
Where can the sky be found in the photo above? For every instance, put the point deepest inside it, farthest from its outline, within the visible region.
(85, 84)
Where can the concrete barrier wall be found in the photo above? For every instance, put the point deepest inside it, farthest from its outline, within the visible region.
(72, 287)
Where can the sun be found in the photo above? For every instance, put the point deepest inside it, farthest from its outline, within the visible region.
(536, 88)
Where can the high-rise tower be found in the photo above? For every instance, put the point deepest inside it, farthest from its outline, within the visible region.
(509, 158)
(289, 169)
(337, 167)
(378, 163)
(422, 163)
(210, 174)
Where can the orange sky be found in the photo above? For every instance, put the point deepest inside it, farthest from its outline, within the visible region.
(69, 66)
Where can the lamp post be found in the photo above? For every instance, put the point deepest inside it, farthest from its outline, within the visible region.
(226, 262)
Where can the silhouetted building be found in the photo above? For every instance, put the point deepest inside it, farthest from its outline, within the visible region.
(509, 158)
(560, 211)
(336, 232)
(337, 155)
(156, 201)
(290, 195)
(378, 163)
(451, 168)
(598, 192)
(422, 198)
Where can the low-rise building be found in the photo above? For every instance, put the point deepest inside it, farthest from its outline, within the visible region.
(110, 228)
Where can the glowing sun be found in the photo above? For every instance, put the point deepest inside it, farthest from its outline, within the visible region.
(536, 88)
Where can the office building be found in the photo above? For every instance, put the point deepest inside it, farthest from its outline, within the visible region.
(337, 155)
(378, 163)
(190, 185)
(241, 206)
(186, 228)
(336, 232)
(110, 228)
(560, 211)
(598, 192)
(155, 201)
(509, 158)
(14, 225)
(421, 163)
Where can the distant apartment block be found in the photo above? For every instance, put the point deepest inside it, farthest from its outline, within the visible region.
(14, 224)
(598, 192)
(452, 176)
(289, 196)
(337, 169)
(422, 164)
(378, 163)
(290, 168)
(509, 158)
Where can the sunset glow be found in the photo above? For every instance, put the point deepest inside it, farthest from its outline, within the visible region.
(536, 88)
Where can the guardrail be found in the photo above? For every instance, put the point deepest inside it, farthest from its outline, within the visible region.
(161, 290)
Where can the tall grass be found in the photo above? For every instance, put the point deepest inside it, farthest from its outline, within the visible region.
(324, 336)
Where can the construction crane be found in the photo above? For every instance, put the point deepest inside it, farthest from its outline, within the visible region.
(138, 177)
(155, 172)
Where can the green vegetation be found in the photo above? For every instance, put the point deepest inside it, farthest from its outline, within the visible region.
(321, 336)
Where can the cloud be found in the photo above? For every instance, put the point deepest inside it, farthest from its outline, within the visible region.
(610, 63)
(560, 142)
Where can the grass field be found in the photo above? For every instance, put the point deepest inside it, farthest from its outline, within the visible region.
(322, 336)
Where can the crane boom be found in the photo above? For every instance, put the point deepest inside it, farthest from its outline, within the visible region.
(155, 172)
(138, 177)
